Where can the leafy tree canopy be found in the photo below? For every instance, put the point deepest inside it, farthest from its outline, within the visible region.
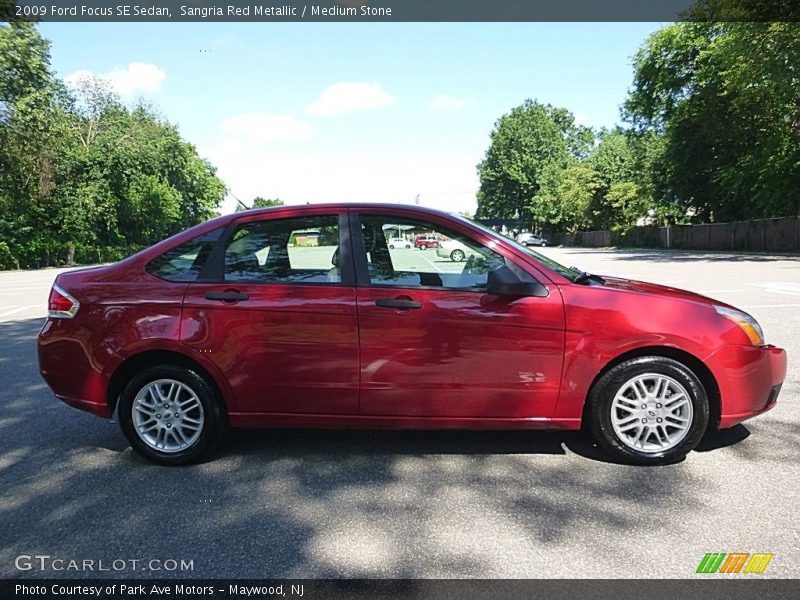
(83, 176)
(713, 134)
(261, 202)
(524, 144)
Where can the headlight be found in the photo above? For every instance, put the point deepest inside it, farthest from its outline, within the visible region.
(747, 323)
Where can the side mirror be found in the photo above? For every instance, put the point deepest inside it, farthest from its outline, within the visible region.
(502, 281)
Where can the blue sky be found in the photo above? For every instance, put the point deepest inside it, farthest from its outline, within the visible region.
(313, 112)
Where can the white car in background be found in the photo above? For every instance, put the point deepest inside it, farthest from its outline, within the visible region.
(453, 249)
(398, 243)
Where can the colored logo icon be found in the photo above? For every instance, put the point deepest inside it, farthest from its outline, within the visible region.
(735, 562)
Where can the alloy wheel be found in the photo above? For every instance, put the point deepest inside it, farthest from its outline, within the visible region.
(651, 413)
(167, 415)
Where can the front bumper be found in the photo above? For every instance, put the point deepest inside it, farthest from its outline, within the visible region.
(749, 379)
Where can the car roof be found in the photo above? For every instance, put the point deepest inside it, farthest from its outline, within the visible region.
(339, 206)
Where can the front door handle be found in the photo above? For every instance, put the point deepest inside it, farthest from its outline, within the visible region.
(227, 296)
(397, 303)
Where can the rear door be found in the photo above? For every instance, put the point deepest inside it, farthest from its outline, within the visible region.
(275, 310)
(434, 343)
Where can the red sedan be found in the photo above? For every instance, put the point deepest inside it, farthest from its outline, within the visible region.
(304, 317)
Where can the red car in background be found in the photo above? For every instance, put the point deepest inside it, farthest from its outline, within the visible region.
(303, 317)
(423, 242)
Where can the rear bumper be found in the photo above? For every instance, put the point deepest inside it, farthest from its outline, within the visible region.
(69, 371)
(749, 379)
(101, 410)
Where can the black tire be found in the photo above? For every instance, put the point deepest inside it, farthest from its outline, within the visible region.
(391, 246)
(423, 247)
(457, 255)
(214, 415)
(543, 244)
(606, 388)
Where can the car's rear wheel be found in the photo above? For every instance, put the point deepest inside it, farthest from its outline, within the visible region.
(544, 244)
(423, 247)
(171, 415)
(457, 255)
(649, 410)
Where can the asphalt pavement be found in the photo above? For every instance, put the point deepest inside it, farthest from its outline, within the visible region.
(297, 504)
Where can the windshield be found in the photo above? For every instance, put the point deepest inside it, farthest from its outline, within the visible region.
(549, 262)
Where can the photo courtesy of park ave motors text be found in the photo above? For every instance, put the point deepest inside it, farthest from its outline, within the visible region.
(490, 294)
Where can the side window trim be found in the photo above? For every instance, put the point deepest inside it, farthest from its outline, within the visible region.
(347, 268)
(359, 250)
(214, 269)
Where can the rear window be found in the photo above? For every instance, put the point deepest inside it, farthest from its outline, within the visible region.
(184, 262)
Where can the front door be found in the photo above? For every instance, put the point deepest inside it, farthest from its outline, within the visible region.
(434, 343)
(278, 316)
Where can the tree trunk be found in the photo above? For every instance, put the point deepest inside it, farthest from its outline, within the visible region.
(71, 255)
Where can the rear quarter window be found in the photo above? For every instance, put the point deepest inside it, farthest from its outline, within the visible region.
(183, 263)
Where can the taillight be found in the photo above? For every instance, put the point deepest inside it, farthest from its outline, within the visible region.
(61, 305)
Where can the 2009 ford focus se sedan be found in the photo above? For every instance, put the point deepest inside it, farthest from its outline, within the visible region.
(305, 317)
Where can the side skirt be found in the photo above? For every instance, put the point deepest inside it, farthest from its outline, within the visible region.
(289, 420)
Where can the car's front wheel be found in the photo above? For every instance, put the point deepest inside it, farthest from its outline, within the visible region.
(171, 415)
(423, 247)
(649, 410)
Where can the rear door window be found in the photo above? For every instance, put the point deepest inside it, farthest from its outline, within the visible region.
(298, 250)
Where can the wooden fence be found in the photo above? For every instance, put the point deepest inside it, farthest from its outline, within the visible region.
(763, 235)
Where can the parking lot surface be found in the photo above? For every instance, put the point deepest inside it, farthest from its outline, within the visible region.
(404, 504)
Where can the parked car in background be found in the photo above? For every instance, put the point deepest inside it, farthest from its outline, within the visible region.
(227, 324)
(532, 239)
(423, 242)
(398, 243)
(453, 249)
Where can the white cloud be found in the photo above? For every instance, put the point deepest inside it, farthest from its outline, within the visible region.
(443, 102)
(136, 78)
(347, 96)
(78, 76)
(257, 128)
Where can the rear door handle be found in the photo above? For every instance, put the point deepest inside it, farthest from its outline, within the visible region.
(227, 296)
(397, 303)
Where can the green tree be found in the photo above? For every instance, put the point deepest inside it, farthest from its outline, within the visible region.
(84, 176)
(613, 162)
(723, 98)
(32, 131)
(525, 143)
(260, 202)
(566, 196)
